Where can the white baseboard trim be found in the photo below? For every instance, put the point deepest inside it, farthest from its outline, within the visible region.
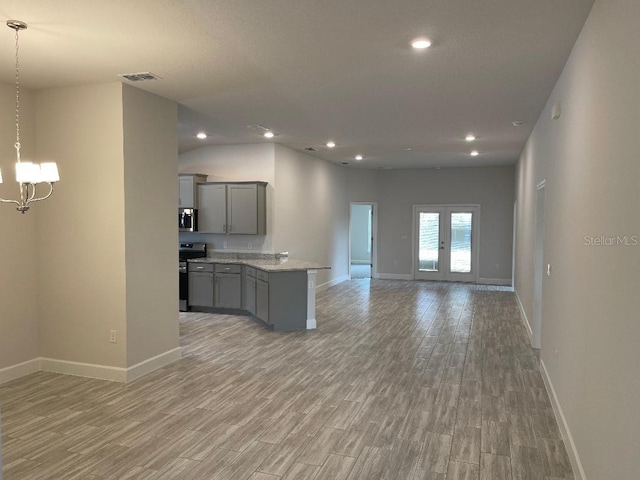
(92, 370)
(331, 283)
(18, 370)
(503, 282)
(394, 276)
(151, 364)
(525, 320)
(572, 451)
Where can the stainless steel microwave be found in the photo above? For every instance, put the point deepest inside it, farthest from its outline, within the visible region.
(187, 220)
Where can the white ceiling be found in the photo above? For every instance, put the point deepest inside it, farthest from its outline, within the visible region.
(314, 70)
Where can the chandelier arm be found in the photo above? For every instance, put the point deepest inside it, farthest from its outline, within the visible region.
(30, 192)
(41, 198)
(2, 200)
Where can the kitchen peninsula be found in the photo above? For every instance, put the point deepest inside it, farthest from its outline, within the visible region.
(276, 290)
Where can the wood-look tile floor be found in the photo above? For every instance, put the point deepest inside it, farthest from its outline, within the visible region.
(402, 380)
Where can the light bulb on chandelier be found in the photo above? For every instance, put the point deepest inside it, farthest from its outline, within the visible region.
(28, 174)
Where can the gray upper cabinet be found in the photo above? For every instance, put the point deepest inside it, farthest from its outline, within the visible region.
(237, 208)
(187, 189)
(213, 208)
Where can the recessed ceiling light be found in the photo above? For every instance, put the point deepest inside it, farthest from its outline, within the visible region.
(421, 43)
(517, 123)
(358, 157)
(470, 138)
(475, 153)
(331, 144)
(268, 134)
(408, 149)
(201, 135)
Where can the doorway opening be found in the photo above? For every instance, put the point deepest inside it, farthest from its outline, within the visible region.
(446, 242)
(362, 226)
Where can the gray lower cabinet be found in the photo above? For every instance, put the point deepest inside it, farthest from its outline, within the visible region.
(250, 290)
(201, 285)
(281, 299)
(228, 288)
(262, 300)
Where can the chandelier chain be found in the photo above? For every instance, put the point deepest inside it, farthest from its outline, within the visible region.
(17, 95)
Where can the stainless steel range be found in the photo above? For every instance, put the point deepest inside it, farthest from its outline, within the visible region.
(187, 251)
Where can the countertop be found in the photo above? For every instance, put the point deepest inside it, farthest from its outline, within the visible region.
(271, 265)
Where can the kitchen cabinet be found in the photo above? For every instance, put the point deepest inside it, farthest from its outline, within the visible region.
(237, 208)
(228, 286)
(212, 216)
(281, 299)
(249, 291)
(188, 189)
(201, 292)
(275, 298)
(262, 300)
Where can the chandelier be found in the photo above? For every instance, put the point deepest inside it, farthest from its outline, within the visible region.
(28, 175)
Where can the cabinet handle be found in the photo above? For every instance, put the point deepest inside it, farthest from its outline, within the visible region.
(227, 268)
(230, 228)
(199, 268)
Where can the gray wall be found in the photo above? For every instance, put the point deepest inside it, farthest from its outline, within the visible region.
(589, 158)
(311, 212)
(396, 191)
(81, 247)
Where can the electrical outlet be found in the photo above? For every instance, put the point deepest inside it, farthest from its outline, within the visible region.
(556, 353)
(497, 266)
(224, 244)
(250, 245)
(113, 336)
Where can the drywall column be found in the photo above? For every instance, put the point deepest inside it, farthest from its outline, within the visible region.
(151, 235)
(107, 238)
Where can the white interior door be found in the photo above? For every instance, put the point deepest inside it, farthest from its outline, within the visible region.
(445, 245)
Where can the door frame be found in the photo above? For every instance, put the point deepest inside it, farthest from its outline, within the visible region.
(538, 263)
(374, 234)
(475, 245)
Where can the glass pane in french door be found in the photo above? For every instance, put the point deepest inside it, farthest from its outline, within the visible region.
(461, 224)
(428, 252)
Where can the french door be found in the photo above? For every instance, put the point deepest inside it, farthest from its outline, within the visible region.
(446, 242)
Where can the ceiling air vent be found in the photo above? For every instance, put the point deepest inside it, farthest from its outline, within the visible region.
(310, 149)
(139, 77)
